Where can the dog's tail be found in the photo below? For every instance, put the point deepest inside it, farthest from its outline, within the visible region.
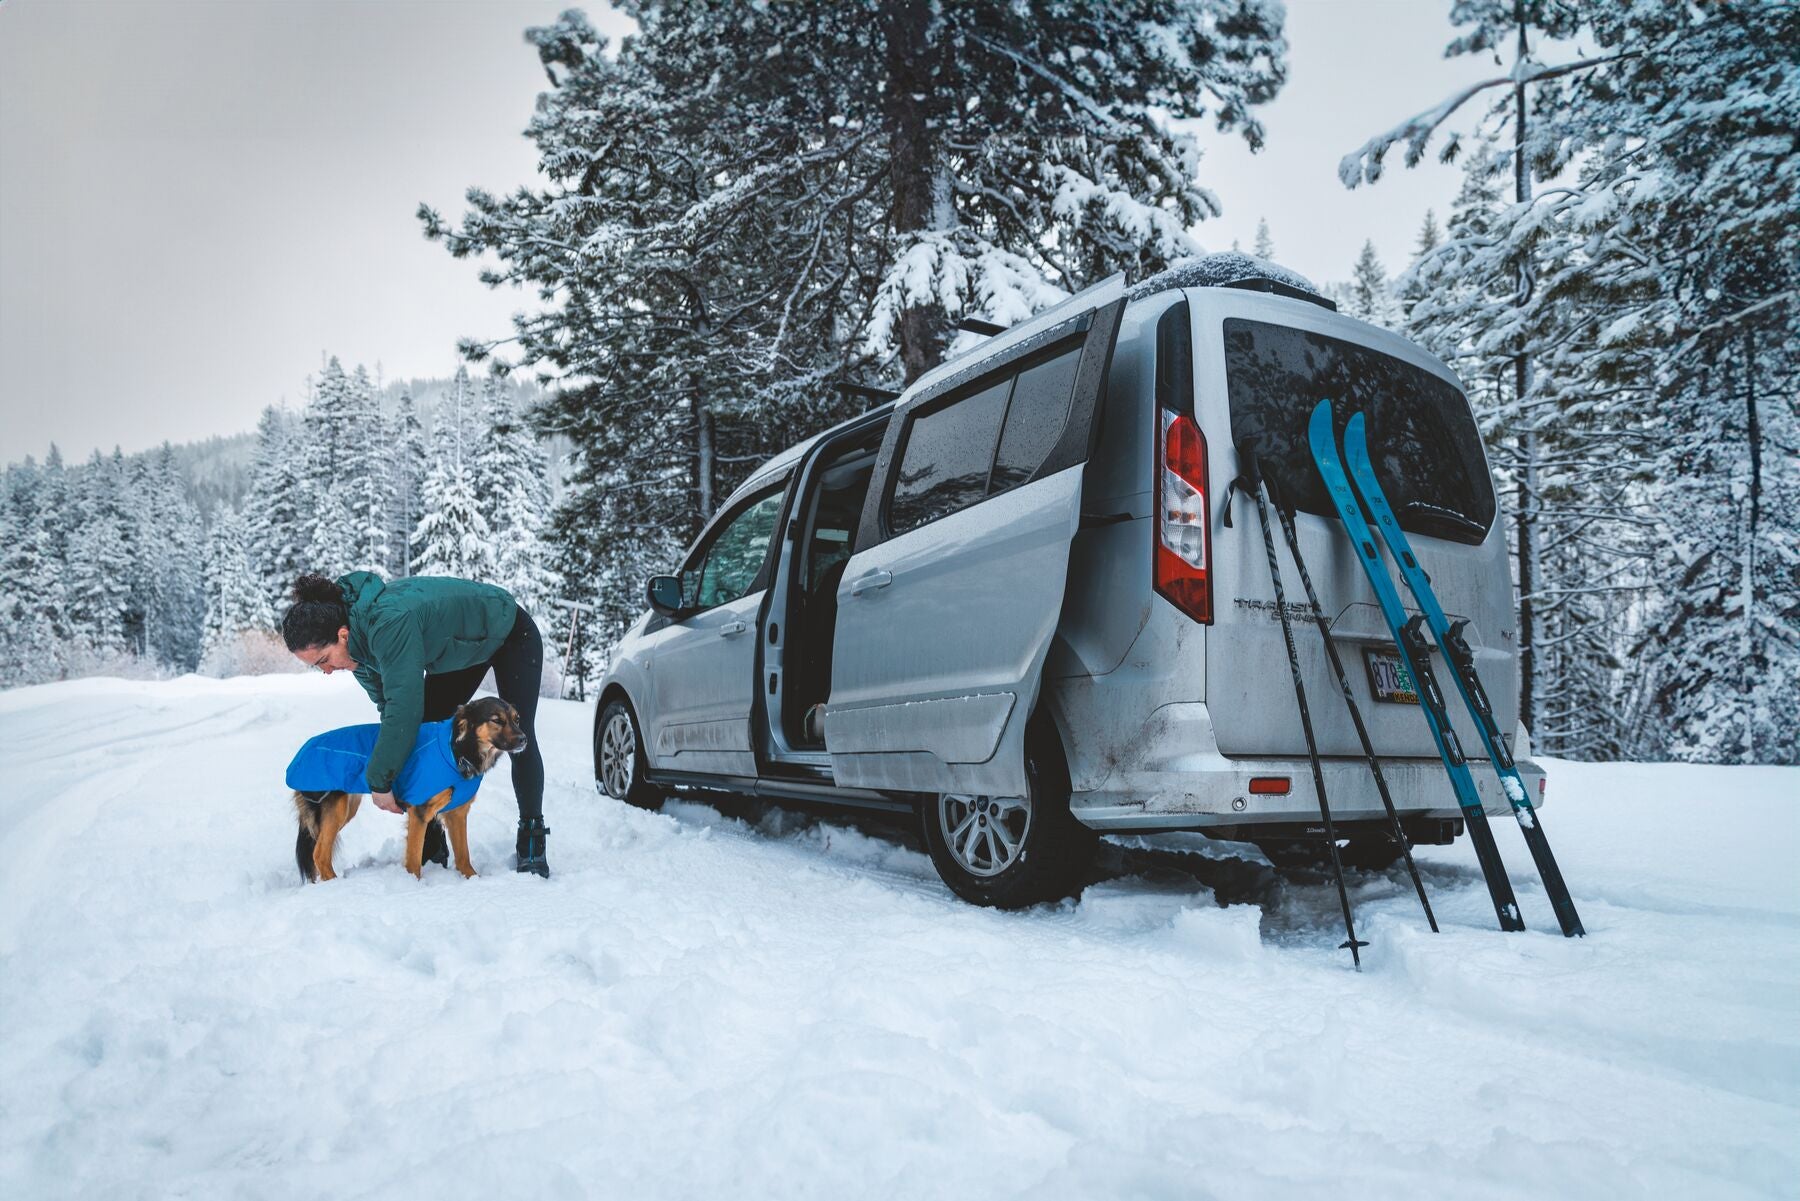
(306, 808)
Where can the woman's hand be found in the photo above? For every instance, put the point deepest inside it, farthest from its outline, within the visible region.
(385, 800)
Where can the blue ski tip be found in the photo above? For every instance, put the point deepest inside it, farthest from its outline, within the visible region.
(1318, 428)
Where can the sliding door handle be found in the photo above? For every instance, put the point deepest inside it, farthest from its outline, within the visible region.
(731, 629)
(873, 582)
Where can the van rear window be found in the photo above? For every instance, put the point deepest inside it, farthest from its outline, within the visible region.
(1422, 437)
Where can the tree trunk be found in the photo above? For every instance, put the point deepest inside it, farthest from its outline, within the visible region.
(706, 464)
(700, 459)
(1752, 668)
(922, 330)
(1525, 523)
(1527, 439)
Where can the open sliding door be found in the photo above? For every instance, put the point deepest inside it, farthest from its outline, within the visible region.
(949, 603)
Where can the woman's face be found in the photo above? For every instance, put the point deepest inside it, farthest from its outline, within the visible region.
(333, 656)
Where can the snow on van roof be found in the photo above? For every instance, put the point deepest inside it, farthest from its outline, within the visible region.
(1222, 270)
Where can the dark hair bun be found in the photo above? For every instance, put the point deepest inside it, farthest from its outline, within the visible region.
(317, 588)
(317, 614)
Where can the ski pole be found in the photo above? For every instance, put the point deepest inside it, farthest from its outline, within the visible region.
(1285, 512)
(1251, 481)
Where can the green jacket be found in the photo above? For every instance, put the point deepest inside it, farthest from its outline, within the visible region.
(402, 632)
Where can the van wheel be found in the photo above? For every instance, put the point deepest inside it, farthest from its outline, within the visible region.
(1010, 852)
(619, 757)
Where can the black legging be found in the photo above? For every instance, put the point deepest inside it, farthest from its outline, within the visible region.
(518, 671)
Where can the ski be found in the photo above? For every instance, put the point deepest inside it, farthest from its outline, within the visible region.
(1416, 654)
(1462, 660)
(1250, 481)
(1285, 512)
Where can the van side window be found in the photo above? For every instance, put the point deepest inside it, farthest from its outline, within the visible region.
(1035, 419)
(948, 453)
(989, 441)
(733, 563)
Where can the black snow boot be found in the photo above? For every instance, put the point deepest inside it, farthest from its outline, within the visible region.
(437, 848)
(530, 849)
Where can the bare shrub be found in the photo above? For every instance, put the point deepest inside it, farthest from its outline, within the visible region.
(249, 653)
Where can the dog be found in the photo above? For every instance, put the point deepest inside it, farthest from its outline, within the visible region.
(461, 749)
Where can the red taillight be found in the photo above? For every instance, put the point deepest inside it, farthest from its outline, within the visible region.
(1269, 785)
(1543, 781)
(1183, 518)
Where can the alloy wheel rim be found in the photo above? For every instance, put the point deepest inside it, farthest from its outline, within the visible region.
(617, 758)
(985, 835)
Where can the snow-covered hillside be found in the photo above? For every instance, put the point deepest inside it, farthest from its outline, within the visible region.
(695, 1007)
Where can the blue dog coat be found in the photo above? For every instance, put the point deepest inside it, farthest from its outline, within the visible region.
(338, 761)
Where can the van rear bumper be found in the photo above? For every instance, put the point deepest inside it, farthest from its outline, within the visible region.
(1181, 782)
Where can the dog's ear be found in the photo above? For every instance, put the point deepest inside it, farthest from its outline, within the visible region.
(459, 723)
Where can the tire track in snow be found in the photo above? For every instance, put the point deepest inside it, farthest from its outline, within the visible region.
(249, 713)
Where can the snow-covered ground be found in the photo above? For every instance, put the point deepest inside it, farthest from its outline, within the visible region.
(695, 1006)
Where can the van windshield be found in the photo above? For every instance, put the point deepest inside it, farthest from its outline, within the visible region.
(1422, 437)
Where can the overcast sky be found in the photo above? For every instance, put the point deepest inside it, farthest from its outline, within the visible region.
(200, 198)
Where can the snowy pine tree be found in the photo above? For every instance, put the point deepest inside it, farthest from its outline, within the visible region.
(405, 460)
(19, 485)
(368, 485)
(100, 563)
(1370, 297)
(1576, 454)
(1649, 318)
(215, 563)
(169, 580)
(453, 537)
(1409, 289)
(31, 602)
(236, 601)
(36, 516)
(749, 205)
(1265, 245)
(274, 529)
(1429, 235)
(331, 549)
(335, 477)
(515, 499)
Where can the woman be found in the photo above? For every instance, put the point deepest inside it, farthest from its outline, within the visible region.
(420, 647)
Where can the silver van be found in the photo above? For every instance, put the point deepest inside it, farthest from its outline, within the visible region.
(1008, 601)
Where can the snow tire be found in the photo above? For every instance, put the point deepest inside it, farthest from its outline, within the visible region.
(619, 760)
(1010, 852)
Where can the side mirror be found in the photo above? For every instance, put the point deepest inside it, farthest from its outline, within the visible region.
(665, 594)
